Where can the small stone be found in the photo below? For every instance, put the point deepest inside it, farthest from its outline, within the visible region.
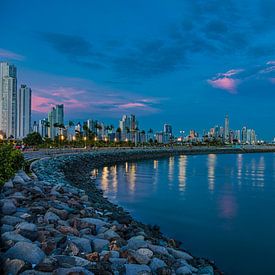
(50, 217)
(63, 214)
(84, 198)
(13, 266)
(11, 220)
(93, 257)
(8, 185)
(137, 269)
(100, 244)
(136, 243)
(25, 251)
(97, 222)
(18, 196)
(141, 259)
(145, 252)
(157, 264)
(183, 270)
(18, 180)
(28, 230)
(179, 254)
(83, 244)
(49, 264)
(67, 229)
(158, 249)
(110, 234)
(8, 207)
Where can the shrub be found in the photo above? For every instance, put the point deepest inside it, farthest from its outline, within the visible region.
(11, 160)
(33, 139)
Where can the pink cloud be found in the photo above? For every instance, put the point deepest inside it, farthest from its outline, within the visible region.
(10, 55)
(225, 83)
(132, 105)
(271, 62)
(230, 73)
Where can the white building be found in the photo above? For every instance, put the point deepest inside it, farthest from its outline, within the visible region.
(55, 117)
(8, 99)
(23, 111)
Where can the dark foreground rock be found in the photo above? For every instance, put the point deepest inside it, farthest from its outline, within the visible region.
(50, 225)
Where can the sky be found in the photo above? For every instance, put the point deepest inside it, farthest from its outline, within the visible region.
(187, 63)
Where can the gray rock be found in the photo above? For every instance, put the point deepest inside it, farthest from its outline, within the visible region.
(24, 176)
(6, 228)
(11, 220)
(8, 207)
(73, 270)
(137, 242)
(50, 217)
(28, 230)
(110, 234)
(158, 249)
(13, 267)
(97, 222)
(141, 259)
(100, 244)
(8, 185)
(25, 251)
(65, 261)
(156, 264)
(83, 244)
(183, 270)
(18, 180)
(12, 237)
(17, 196)
(136, 269)
(179, 254)
(207, 270)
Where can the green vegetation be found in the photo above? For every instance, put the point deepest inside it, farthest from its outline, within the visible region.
(11, 160)
(33, 139)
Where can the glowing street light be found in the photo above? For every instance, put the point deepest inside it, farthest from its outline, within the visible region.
(74, 138)
(1, 137)
(85, 139)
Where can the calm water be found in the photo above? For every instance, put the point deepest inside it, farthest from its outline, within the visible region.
(220, 206)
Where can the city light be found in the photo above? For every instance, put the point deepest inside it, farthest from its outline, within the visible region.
(74, 138)
(1, 137)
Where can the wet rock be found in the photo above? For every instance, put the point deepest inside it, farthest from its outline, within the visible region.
(83, 244)
(70, 261)
(206, 270)
(13, 267)
(6, 228)
(110, 234)
(8, 207)
(137, 242)
(158, 249)
(93, 257)
(17, 196)
(183, 270)
(72, 271)
(49, 264)
(18, 180)
(140, 258)
(68, 230)
(131, 269)
(179, 254)
(50, 217)
(156, 264)
(28, 230)
(92, 221)
(100, 244)
(10, 238)
(25, 251)
(63, 214)
(8, 185)
(11, 220)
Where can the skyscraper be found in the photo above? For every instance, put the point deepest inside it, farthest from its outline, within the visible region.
(55, 116)
(226, 128)
(8, 99)
(23, 111)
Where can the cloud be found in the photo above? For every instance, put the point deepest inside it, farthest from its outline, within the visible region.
(6, 54)
(224, 83)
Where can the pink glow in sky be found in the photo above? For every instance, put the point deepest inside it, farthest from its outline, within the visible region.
(5, 54)
(225, 83)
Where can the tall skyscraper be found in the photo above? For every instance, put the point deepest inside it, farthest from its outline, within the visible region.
(23, 111)
(8, 99)
(226, 128)
(55, 116)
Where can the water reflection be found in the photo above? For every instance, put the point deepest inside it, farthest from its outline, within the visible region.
(211, 162)
(239, 168)
(114, 178)
(104, 178)
(182, 164)
(156, 163)
(131, 176)
(171, 166)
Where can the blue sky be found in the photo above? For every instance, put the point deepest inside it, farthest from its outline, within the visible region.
(187, 63)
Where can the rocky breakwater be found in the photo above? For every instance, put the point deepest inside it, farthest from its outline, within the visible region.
(49, 225)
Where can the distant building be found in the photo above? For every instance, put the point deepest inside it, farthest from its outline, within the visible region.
(43, 127)
(8, 99)
(128, 126)
(244, 135)
(55, 116)
(35, 127)
(226, 129)
(23, 111)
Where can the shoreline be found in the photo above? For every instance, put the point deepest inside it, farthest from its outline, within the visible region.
(62, 184)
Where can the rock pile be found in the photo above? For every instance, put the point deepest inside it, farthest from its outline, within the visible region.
(53, 227)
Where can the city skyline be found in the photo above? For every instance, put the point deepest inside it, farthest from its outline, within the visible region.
(181, 63)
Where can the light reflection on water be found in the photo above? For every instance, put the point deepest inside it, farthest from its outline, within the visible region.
(220, 206)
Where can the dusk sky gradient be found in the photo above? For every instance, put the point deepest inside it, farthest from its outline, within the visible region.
(188, 63)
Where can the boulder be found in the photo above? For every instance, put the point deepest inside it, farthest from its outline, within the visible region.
(100, 244)
(27, 252)
(179, 254)
(157, 264)
(14, 266)
(28, 230)
(11, 220)
(183, 270)
(83, 244)
(10, 238)
(50, 217)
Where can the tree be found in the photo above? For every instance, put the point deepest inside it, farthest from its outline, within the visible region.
(33, 139)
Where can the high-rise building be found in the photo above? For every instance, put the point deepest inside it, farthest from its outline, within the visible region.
(8, 99)
(167, 129)
(226, 129)
(23, 111)
(55, 117)
(244, 135)
(43, 127)
(128, 126)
